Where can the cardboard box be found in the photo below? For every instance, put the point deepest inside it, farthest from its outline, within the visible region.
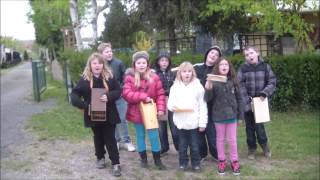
(260, 109)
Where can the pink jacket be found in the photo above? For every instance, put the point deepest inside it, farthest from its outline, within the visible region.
(134, 95)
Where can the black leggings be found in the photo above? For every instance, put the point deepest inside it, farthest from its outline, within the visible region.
(105, 136)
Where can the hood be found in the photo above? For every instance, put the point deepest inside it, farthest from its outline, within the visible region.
(156, 64)
(213, 47)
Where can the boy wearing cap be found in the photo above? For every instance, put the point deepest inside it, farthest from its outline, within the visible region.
(143, 85)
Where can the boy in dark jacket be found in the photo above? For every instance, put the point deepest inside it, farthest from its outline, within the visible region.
(256, 80)
(209, 136)
(163, 69)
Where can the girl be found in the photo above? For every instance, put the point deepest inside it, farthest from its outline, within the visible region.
(186, 100)
(143, 85)
(226, 110)
(163, 70)
(97, 75)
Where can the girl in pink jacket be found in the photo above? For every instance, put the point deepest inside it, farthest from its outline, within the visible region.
(143, 85)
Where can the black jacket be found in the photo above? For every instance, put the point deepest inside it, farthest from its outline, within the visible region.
(226, 101)
(81, 98)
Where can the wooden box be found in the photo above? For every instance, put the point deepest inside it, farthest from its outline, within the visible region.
(98, 107)
(260, 109)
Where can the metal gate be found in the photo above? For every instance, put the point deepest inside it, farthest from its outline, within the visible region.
(38, 78)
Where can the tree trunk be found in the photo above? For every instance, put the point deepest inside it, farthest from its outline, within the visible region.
(172, 38)
(76, 22)
(95, 15)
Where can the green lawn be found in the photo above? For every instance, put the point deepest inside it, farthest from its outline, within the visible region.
(293, 138)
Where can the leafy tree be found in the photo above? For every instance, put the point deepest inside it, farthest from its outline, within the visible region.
(142, 42)
(48, 18)
(12, 43)
(120, 26)
(171, 16)
(264, 15)
(25, 56)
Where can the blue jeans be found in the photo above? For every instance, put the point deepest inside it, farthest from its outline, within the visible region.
(208, 139)
(254, 131)
(141, 138)
(163, 133)
(122, 133)
(189, 138)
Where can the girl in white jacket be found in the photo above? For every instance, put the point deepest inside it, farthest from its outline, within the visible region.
(186, 101)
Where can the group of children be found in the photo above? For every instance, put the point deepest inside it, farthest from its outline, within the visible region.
(199, 111)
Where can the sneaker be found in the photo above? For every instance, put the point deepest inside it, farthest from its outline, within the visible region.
(130, 147)
(101, 163)
(182, 167)
(222, 167)
(252, 154)
(196, 168)
(116, 170)
(235, 166)
(118, 146)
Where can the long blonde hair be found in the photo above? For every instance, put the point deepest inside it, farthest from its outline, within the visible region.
(106, 71)
(183, 66)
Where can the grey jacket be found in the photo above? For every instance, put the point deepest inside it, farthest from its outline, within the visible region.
(226, 101)
(118, 69)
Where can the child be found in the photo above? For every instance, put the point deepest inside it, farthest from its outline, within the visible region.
(186, 100)
(208, 137)
(226, 110)
(143, 85)
(118, 70)
(97, 75)
(256, 80)
(163, 70)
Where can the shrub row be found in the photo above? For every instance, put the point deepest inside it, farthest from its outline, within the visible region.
(298, 79)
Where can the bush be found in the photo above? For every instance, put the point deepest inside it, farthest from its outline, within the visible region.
(298, 79)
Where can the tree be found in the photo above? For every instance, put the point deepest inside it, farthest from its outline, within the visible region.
(171, 16)
(25, 56)
(120, 26)
(94, 19)
(265, 15)
(48, 18)
(76, 25)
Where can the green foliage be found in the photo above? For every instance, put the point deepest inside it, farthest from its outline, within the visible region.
(12, 43)
(76, 61)
(25, 56)
(142, 42)
(264, 16)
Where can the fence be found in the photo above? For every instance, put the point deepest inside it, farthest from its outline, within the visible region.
(38, 78)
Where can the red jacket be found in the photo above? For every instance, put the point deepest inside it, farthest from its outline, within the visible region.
(134, 95)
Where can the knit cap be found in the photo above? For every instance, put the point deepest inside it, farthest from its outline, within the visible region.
(140, 54)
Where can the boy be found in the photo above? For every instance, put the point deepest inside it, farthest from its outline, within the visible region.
(256, 80)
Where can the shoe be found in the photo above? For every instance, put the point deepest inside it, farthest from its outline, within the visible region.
(143, 159)
(116, 170)
(196, 168)
(222, 167)
(130, 147)
(101, 163)
(118, 146)
(182, 167)
(235, 166)
(266, 151)
(157, 161)
(252, 154)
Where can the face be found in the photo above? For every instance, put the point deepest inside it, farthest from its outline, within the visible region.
(224, 67)
(141, 65)
(107, 53)
(163, 63)
(186, 75)
(212, 57)
(251, 56)
(96, 67)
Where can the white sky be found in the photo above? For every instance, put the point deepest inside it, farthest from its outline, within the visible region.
(14, 20)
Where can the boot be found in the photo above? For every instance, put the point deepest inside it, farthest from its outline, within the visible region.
(251, 154)
(266, 151)
(157, 160)
(143, 160)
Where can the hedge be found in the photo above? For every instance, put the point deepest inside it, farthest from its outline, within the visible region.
(298, 79)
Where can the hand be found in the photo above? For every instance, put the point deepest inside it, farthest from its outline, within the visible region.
(104, 98)
(148, 99)
(201, 129)
(208, 85)
(262, 96)
(160, 113)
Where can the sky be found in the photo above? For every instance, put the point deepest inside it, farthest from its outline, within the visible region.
(14, 21)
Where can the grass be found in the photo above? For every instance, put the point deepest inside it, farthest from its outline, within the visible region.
(293, 137)
(62, 122)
